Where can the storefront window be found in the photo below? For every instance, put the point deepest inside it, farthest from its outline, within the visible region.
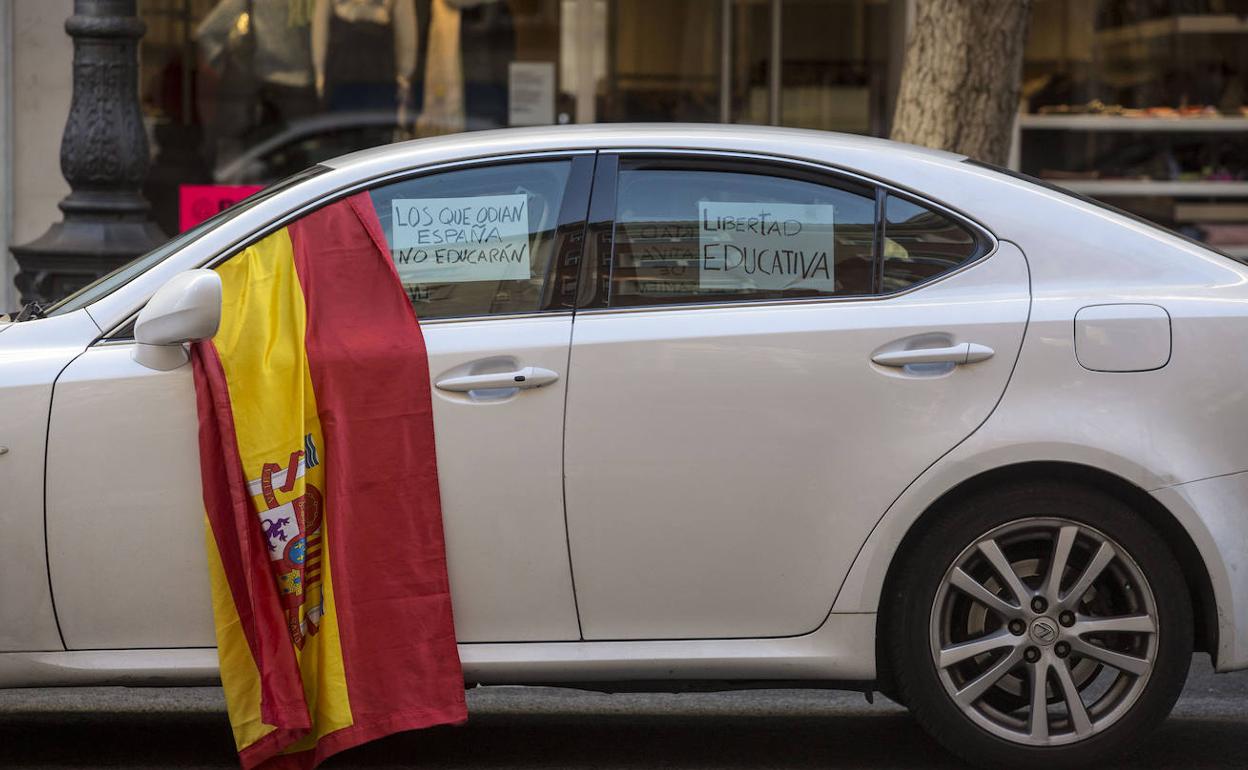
(1144, 105)
(835, 65)
(750, 61)
(239, 93)
(242, 92)
(665, 61)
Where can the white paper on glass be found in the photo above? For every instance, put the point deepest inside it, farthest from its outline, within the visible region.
(452, 240)
(765, 246)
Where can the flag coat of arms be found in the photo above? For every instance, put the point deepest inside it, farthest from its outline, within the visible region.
(323, 520)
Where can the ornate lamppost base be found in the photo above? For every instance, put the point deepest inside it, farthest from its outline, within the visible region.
(86, 244)
(104, 158)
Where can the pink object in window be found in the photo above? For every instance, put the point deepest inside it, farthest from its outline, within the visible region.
(197, 202)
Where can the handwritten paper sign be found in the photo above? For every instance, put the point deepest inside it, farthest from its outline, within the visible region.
(765, 246)
(451, 240)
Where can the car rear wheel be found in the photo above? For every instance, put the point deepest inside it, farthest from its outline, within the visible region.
(1040, 626)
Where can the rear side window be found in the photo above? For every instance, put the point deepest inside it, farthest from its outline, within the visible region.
(921, 243)
(710, 232)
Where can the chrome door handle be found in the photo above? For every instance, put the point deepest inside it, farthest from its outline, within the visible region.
(528, 377)
(965, 353)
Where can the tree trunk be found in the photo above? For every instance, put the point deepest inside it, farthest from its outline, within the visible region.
(959, 83)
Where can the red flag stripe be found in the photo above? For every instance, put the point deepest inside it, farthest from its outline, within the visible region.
(385, 527)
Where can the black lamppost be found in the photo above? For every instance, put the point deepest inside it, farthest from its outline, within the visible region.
(103, 157)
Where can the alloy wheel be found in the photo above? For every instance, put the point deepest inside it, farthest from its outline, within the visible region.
(1044, 631)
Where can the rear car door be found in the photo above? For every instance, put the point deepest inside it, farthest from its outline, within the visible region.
(486, 252)
(769, 354)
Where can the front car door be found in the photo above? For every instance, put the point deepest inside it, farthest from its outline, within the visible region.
(730, 440)
(124, 514)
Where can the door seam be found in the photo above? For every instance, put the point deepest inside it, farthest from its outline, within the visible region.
(47, 444)
(567, 386)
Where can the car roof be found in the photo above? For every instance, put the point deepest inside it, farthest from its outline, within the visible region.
(773, 140)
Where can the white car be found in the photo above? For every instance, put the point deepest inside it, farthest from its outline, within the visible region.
(817, 410)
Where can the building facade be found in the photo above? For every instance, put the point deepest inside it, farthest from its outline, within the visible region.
(1141, 102)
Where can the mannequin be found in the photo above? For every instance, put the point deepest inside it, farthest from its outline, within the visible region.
(257, 52)
(443, 111)
(470, 45)
(487, 37)
(364, 53)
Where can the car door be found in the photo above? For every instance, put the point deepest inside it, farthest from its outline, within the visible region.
(124, 513)
(771, 354)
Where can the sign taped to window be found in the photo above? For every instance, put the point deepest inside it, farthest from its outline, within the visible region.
(453, 240)
(766, 246)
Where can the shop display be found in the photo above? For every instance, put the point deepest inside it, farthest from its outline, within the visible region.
(1141, 102)
(250, 91)
(387, 30)
(1147, 108)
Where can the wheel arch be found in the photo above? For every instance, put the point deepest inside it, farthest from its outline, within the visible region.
(1163, 521)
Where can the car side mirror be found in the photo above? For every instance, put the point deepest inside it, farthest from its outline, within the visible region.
(185, 309)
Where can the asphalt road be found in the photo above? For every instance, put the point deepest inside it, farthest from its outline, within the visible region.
(519, 727)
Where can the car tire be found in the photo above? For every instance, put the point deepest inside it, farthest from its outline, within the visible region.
(1068, 642)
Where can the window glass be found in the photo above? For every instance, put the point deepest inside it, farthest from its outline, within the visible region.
(697, 234)
(475, 241)
(110, 282)
(920, 243)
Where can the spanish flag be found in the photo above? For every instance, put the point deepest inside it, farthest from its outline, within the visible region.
(323, 521)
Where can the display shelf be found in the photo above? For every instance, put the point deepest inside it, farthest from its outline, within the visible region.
(1121, 123)
(1150, 187)
(1189, 24)
(1220, 212)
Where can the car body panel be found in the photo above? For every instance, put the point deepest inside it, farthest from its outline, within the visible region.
(125, 525)
(502, 486)
(32, 354)
(145, 668)
(1129, 424)
(1212, 511)
(125, 511)
(842, 650)
(702, 440)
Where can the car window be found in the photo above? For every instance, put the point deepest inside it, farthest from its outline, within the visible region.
(476, 241)
(920, 244)
(701, 232)
(110, 282)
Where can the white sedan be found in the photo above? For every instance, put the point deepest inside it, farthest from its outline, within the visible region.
(800, 408)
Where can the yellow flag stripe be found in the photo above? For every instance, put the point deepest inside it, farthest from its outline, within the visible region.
(261, 345)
